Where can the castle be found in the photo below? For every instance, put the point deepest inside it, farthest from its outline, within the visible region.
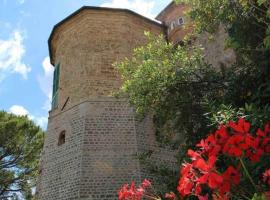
(92, 137)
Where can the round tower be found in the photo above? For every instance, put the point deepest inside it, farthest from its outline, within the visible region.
(91, 139)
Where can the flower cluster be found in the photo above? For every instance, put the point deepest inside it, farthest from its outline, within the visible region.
(142, 192)
(132, 192)
(233, 140)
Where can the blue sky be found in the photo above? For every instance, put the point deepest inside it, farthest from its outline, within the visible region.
(25, 70)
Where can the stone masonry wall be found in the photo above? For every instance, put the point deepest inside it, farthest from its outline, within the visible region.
(60, 166)
(109, 149)
(87, 45)
(99, 153)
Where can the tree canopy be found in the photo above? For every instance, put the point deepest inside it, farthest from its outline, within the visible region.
(187, 95)
(21, 142)
(184, 90)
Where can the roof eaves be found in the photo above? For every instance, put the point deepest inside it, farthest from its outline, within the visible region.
(160, 15)
(93, 8)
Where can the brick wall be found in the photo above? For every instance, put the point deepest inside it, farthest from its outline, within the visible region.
(88, 44)
(102, 141)
(102, 137)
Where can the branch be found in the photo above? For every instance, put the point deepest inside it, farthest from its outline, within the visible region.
(7, 164)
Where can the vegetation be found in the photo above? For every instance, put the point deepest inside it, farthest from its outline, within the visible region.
(21, 142)
(225, 166)
(187, 95)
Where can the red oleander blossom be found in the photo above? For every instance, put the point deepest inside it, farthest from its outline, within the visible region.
(266, 144)
(242, 126)
(230, 177)
(209, 146)
(235, 146)
(267, 195)
(136, 193)
(130, 193)
(267, 128)
(234, 140)
(232, 144)
(170, 196)
(146, 183)
(266, 176)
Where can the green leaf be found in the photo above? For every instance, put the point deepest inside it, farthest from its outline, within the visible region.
(260, 2)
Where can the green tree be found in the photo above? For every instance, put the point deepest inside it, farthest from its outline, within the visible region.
(186, 95)
(173, 83)
(248, 25)
(21, 142)
(180, 86)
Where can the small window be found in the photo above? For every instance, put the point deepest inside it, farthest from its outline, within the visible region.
(62, 138)
(180, 21)
(55, 94)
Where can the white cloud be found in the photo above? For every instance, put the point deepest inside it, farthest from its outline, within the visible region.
(18, 110)
(21, 111)
(45, 81)
(11, 54)
(41, 121)
(140, 6)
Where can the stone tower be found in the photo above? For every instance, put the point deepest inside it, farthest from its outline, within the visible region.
(92, 137)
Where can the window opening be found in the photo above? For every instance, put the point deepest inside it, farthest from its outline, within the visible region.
(55, 94)
(62, 138)
(180, 21)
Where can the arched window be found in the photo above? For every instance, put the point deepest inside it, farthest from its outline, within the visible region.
(180, 21)
(62, 138)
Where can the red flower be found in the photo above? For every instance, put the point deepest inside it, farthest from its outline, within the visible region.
(261, 133)
(201, 173)
(204, 166)
(266, 144)
(267, 128)
(146, 183)
(241, 127)
(209, 146)
(205, 197)
(193, 154)
(213, 180)
(267, 195)
(254, 154)
(266, 176)
(126, 193)
(235, 146)
(222, 135)
(230, 176)
(185, 186)
(170, 195)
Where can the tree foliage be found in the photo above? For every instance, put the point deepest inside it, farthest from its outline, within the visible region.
(248, 25)
(186, 95)
(180, 86)
(21, 142)
(173, 84)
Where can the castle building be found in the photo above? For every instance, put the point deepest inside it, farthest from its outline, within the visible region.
(92, 137)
